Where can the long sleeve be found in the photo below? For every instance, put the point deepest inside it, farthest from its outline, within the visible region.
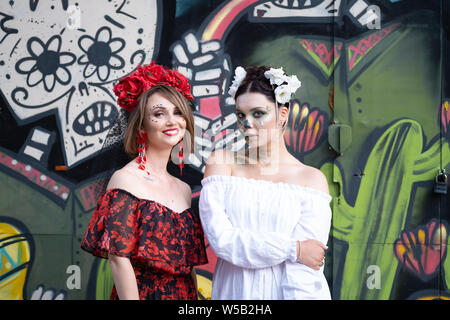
(300, 282)
(241, 247)
(316, 218)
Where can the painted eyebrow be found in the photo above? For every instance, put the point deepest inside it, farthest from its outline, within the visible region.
(158, 106)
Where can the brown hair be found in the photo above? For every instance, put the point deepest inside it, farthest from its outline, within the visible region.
(136, 118)
(256, 81)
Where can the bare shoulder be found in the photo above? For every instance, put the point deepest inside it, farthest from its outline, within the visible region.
(126, 180)
(220, 162)
(299, 173)
(120, 179)
(315, 178)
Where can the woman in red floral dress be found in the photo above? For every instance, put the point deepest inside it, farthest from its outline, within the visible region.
(143, 223)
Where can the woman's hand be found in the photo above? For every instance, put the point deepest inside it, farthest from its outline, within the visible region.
(311, 253)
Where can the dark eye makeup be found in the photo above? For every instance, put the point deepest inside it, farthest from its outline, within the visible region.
(255, 113)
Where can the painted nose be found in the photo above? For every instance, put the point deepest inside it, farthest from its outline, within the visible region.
(247, 124)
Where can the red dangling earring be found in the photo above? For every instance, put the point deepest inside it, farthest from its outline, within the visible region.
(180, 157)
(141, 139)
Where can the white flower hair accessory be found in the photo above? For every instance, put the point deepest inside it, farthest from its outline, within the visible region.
(275, 76)
(239, 75)
(283, 92)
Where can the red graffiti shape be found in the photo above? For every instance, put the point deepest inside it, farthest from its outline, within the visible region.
(421, 250)
(364, 45)
(325, 55)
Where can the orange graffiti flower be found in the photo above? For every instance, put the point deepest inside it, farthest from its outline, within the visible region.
(422, 249)
(305, 128)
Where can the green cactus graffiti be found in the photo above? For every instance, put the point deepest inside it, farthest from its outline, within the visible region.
(380, 211)
(105, 280)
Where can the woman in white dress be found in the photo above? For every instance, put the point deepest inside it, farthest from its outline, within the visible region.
(265, 214)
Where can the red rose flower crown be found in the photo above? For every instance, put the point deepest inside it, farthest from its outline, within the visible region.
(129, 88)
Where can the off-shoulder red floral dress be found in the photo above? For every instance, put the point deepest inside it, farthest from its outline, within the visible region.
(162, 245)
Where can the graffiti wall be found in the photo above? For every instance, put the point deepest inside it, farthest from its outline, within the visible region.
(372, 113)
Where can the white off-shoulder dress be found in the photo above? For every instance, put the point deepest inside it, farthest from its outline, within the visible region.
(252, 226)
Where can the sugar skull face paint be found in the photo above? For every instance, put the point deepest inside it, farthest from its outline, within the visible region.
(255, 118)
(243, 124)
(153, 118)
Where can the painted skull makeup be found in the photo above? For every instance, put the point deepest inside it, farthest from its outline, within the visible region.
(256, 116)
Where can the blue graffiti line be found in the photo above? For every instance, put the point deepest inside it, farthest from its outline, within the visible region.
(4, 254)
(15, 265)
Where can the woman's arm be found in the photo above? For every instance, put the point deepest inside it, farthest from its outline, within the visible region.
(194, 278)
(124, 278)
(312, 251)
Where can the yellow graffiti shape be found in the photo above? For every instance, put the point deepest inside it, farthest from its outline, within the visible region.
(14, 259)
(204, 287)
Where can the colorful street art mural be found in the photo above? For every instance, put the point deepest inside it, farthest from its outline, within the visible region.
(373, 114)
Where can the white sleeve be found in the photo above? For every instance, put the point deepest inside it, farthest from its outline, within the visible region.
(315, 222)
(243, 248)
(300, 282)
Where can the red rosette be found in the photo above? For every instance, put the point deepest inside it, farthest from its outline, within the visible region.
(185, 88)
(128, 91)
(180, 83)
(128, 104)
(153, 71)
(170, 77)
(129, 88)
